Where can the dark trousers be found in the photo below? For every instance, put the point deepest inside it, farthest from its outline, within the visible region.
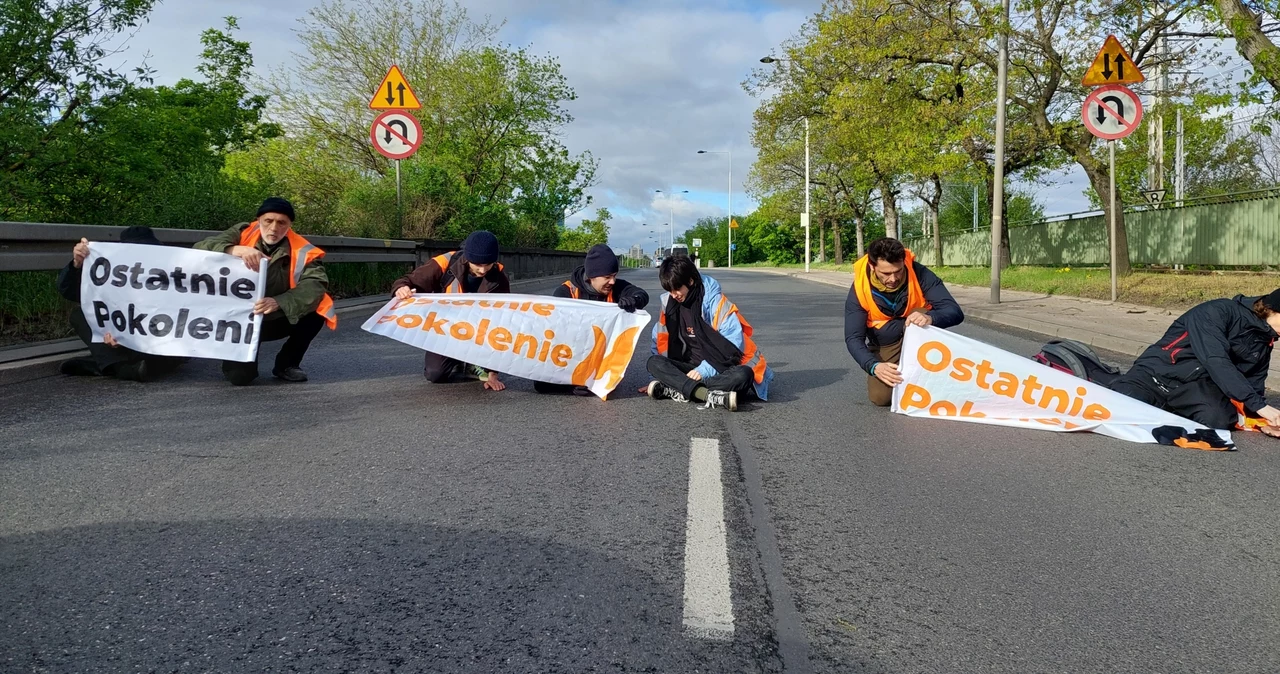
(299, 336)
(107, 358)
(440, 369)
(1200, 400)
(674, 373)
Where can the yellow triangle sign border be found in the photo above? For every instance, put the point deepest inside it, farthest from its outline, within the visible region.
(400, 100)
(1097, 74)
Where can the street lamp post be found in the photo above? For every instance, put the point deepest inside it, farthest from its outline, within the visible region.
(804, 217)
(728, 152)
(671, 211)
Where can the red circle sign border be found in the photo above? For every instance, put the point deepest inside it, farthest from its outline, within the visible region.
(373, 134)
(1097, 94)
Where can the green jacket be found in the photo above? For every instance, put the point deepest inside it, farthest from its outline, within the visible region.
(294, 302)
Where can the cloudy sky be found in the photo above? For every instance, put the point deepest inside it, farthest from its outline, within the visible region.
(657, 80)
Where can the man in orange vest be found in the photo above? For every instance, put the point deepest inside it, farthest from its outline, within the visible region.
(474, 269)
(296, 304)
(702, 345)
(891, 290)
(596, 280)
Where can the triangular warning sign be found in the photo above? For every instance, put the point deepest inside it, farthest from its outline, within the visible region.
(394, 93)
(733, 224)
(1112, 65)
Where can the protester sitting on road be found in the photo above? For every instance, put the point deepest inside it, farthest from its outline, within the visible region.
(891, 290)
(712, 358)
(1211, 365)
(596, 280)
(296, 303)
(474, 269)
(107, 357)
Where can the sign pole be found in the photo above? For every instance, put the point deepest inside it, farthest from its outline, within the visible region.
(399, 210)
(1111, 150)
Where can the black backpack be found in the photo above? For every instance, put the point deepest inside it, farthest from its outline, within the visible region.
(1072, 357)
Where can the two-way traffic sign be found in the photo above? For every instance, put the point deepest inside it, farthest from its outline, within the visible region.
(1111, 112)
(394, 93)
(1112, 65)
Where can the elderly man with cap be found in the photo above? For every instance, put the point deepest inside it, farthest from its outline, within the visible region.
(597, 281)
(474, 269)
(107, 357)
(1211, 365)
(296, 304)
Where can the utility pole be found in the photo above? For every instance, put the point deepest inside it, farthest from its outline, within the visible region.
(1155, 123)
(997, 202)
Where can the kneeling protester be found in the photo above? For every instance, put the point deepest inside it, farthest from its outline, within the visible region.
(950, 376)
(702, 346)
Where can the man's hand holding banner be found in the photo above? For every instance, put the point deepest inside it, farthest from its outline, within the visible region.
(946, 375)
(172, 301)
(549, 339)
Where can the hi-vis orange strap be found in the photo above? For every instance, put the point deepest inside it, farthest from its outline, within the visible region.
(302, 253)
(862, 286)
(751, 356)
(575, 293)
(454, 286)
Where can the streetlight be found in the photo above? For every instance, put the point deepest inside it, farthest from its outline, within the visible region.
(671, 211)
(728, 152)
(804, 217)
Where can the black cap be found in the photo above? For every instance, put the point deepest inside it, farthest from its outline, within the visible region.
(139, 234)
(601, 261)
(277, 205)
(481, 247)
(1273, 300)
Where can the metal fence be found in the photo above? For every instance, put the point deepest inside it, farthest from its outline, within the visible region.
(26, 246)
(1211, 231)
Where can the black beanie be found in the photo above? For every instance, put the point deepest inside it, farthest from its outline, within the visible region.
(481, 248)
(139, 234)
(276, 205)
(601, 261)
(1273, 300)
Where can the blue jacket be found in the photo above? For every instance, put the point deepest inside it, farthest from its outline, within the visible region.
(730, 328)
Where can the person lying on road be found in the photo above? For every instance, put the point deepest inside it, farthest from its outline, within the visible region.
(1211, 365)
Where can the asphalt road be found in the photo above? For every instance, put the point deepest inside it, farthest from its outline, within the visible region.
(369, 521)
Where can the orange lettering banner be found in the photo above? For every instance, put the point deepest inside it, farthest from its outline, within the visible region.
(549, 339)
(946, 375)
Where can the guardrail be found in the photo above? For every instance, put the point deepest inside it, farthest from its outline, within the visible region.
(29, 246)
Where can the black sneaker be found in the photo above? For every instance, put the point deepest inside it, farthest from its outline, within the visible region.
(660, 391)
(722, 400)
(80, 367)
(290, 374)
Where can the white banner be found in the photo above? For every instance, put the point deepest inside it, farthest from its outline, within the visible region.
(946, 375)
(172, 301)
(549, 339)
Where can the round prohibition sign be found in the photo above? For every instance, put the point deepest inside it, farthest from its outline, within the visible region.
(1111, 112)
(396, 134)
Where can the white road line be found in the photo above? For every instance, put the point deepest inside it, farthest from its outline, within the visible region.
(708, 605)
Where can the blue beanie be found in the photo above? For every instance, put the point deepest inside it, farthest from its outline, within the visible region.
(481, 248)
(601, 261)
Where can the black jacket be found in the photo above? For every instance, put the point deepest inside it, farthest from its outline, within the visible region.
(859, 338)
(1222, 339)
(69, 282)
(621, 289)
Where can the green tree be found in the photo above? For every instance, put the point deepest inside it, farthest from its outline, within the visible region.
(589, 233)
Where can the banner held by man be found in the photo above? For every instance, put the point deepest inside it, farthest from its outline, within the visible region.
(946, 375)
(549, 339)
(172, 301)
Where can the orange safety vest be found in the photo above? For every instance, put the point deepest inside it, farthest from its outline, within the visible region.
(443, 261)
(862, 286)
(574, 292)
(751, 356)
(302, 253)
